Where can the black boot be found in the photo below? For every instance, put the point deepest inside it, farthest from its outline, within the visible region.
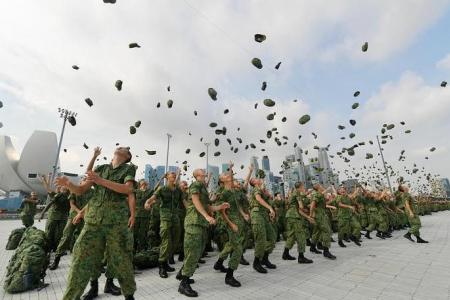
(308, 242)
(129, 297)
(380, 235)
(180, 276)
(319, 246)
(55, 263)
(258, 267)
(110, 288)
(230, 280)
(327, 254)
(181, 256)
(341, 244)
(367, 235)
(162, 270)
(286, 255)
(332, 240)
(201, 261)
(185, 288)
(243, 261)
(218, 266)
(355, 240)
(171, 260)
(93, 291)
(386, 234)
(168, 268)
(303, 260)
(313, 249)
(420, 240)
(265, 262)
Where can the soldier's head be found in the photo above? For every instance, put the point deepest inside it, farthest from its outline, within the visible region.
(318, 188)
(171, 177)
(122, 154)
(199, 175)
(278, 196)
(403, 188)
(237, 184)
(183, 185)
(299, 186)
(33, 195)
(255, 182)
(342, 190)
(143, 185)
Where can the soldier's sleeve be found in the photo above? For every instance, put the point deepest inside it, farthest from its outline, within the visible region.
(158, 193)
(195, 188)
(99, 168)
(131, 172)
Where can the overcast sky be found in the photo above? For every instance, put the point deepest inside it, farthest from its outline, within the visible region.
(193, 45)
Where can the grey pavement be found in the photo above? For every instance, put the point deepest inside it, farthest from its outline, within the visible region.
(380, 269)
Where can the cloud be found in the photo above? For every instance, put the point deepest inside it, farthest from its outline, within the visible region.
(444, 63)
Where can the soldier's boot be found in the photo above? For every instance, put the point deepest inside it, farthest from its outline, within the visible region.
(171, 260)
(332, 240)
(319, 246)
(230, 280)
(55, 263)
(286, 255)
(218, 266)
(327, 254)
(181, 256)
(386, 234)
(185, 288)
(201, 261)
(243, 261)
(265, 262)
(367, 235)
(347, 239)
(129, 297)
(168, 268)
(308, 242)
(258, 267)
(180, 276)
(420, 240)
(341, 244)
(313, 249)
(380, 235)
(110, 288)
(355, 240)
(162, 270)
(93, 291)
(303, 260)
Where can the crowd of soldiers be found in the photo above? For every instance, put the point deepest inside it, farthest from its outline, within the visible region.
(109, 217)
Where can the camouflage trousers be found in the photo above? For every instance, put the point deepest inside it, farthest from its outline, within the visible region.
(363, 219)
(153, 231)
(348, 226)
(179, 245)
(233, 246)
(263, 234)
(54, 230)
(295, 233)
(140, 231)
(415, 224)
(281, 227)
(169, 231)
(321, 230)
(88, 252)
(374, 219)
(67, 237)
(27, 220)
(195, 237)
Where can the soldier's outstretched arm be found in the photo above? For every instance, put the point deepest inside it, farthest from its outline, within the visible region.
(121, 188)
(247, 179)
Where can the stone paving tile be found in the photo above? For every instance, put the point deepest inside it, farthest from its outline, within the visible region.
(390, 269)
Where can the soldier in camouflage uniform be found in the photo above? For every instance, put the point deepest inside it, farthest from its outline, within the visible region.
(234, 220)
(142, 194)
(170, 198)
(181, 216)
(296, 229)
(106, 228)
(198, 218)
(349, 226)
(29, 209)
(410, 210)
(76, 205)
(280, 210)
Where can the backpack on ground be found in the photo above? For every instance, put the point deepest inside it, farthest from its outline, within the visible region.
(14, 238)
(146, 259)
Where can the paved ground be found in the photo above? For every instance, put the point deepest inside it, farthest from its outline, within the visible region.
(391, 269)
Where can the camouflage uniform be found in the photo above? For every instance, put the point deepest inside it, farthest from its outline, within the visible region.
(195, 229)
(27, 214)
(105, 229)
(233, 246)
(142, 220)
(321, 229)
(263, 231)
(70, 229)
(153, 229)
(170, 201)
(296, 231)
(347, 221)
(181, 216)
(280, 207)
(414, 221)
(57, 218)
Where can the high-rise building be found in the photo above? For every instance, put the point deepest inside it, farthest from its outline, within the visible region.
(440, 188)
(324, 167)
(254, 162)
(446, 186)
(214, 182)
(265, 163)
(225, 167)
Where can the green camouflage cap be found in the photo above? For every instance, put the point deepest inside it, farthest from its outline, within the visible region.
(260, 37)
(132, 130)
(169, 103)
(118, 85)
(365, 47)
(150, 152)
(134, 45)
(269, 102)
(212, 93)
(257, 63)
(304, 119)
(89, 102)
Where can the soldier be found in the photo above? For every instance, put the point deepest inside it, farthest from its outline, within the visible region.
(198, 218)
(410, 211)
(106, 228)
(29, 209)
(58, 212)
(182, 215)
(235, 224)
(263, 232)
(170, 198)
(296, 229)
(321, 230)
(280, 210)
(347, 223)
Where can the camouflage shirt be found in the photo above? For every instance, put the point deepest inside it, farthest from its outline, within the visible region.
(60, 208)
(293, 209)
(107, 207)
(193, 217)
(80, 201)
(28, 209)
(231, 197)
(170, 201)
(342, 211)
(141, 197)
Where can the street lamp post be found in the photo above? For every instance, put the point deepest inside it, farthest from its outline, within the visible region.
(169, 136)
(207, 156)
(65, 114)
(384, 165)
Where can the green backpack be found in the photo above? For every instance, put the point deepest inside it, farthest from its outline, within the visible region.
(14, 238)
(26, 268)
(146, 259)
